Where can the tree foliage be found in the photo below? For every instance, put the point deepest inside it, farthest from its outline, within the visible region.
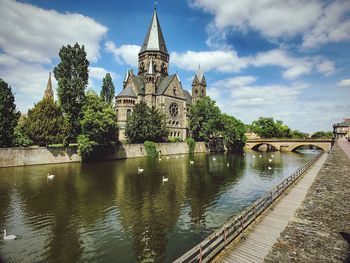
(151, 149)
(107, 91)
(98, 125)
(322, 135)
(268, 128)
(300, 135)
(21, 134)
(146, 124)
(191, 144)
(45, 122)
(207, 123)
(8, 115)
(204, 121)
(72, 76)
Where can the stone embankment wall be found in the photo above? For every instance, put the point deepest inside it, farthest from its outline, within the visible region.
(41, 155)
(313, 234)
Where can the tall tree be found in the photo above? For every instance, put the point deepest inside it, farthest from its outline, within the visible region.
(45, 122)
(99, 126)
(233, 133)
(107, 92)
(204, 121)
(72, 75)
(146, 124)
(8, 115)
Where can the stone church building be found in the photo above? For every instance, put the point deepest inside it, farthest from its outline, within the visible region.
(153, 85)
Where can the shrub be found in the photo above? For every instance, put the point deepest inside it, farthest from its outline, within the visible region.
(174, 139)
(86, 147)
(151, 149)
(191, 144)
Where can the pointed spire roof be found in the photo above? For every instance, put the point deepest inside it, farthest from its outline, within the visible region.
(154, 40)
(49, 91)
(126, 75)
(199, 74)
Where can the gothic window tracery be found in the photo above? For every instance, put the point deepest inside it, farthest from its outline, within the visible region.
(173, 110)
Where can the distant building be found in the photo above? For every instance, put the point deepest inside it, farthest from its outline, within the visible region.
(342, 130)
(153, 85)
(49, 91)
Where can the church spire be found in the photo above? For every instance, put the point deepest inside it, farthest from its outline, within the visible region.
(154, 40)
(49, 92)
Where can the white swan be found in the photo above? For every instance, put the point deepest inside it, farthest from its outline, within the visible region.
(191, 162)
(140, 170)
(270, 160)
(182, 156)
(9, 237)
(168, 158)
(272, 156)
(228, 165)
(269, 168)
(165, 179)
(260, 156)
(214, 159)
(253, 156)
(50, 176)
(159, 159)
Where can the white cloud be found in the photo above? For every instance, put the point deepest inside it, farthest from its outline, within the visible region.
(219, 60)
(33, 34)
(228, 61)
(314, 20)
(234, 82)
(99, 73)
(332, 26)
(344, 83)
(30, 41)
(127, 54)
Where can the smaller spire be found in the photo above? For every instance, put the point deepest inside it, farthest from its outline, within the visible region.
(49, 92)
(126, 76)
(155, 4)
(199, 73)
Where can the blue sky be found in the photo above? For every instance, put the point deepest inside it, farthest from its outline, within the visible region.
(286, 59)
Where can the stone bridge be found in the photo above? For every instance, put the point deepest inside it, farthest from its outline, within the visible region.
(288, 145)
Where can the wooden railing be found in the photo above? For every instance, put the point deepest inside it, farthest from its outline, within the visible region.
(217, 241)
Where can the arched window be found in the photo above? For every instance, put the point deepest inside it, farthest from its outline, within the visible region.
(128, 114)
(173, 110)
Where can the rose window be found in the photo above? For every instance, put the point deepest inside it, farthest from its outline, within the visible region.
(173, 109)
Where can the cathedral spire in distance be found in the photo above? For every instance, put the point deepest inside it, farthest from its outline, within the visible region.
(49, 91)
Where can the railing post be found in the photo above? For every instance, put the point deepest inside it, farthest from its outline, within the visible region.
(200, 254)
(225, 236)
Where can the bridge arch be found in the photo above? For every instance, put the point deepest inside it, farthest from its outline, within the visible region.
(270, 147)
(318, 146)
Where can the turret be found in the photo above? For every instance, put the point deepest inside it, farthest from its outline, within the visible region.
(49, 91)
(199, 86)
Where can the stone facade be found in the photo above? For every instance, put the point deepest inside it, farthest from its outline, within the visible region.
(153, 85)
(342, 130)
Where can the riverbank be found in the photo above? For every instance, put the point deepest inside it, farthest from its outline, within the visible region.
(313, 233)
(260, 236)
(10, 157)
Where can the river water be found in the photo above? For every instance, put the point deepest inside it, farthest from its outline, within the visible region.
(107, 212)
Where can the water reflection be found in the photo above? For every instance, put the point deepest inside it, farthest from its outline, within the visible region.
(107, 211)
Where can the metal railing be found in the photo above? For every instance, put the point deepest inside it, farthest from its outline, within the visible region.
(217, 241)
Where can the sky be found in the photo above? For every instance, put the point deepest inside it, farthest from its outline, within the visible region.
(288, 59)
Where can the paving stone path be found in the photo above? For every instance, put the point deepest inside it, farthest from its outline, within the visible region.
(313, 233)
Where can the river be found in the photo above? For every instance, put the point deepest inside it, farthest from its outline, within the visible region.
(108, 212)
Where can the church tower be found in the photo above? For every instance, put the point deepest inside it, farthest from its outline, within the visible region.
(154, 53)
(49, 91)
(199, 86)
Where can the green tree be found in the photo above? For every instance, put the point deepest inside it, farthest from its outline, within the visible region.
(283, 131)
(322, 135)
(72, 76)
(8, 115)
(299, 135)
(98, 125)
(21, 135)
(265, 127)
(107, 92)
(146, 124)
(204, 120)
(233, 133)
(44, 123)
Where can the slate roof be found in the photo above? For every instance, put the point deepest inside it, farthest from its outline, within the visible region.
(127, 92)
(154, 40)
(164, 84)
(140, 85)
(188, 97)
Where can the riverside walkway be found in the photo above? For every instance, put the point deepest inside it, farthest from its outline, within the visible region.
(262, 235)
